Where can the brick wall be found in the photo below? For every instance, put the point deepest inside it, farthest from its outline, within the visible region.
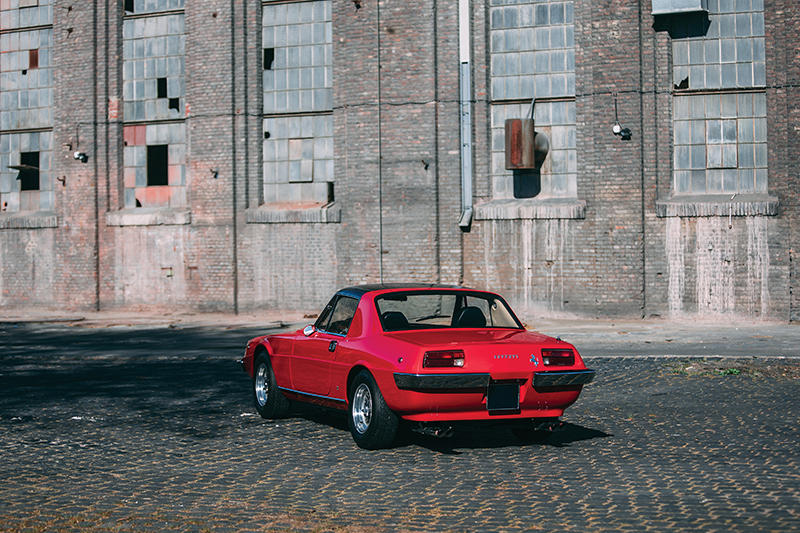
(396, 176)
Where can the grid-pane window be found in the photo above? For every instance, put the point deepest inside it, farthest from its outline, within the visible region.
(155, 165)
(26, 99)
(533, 56)
(26, 178)
(298, 78)
(26, 106)
(153, 67)
(720, 143)
(729, 53)
(533, 49)
(153, 91)
(720, 138)
(298, 57)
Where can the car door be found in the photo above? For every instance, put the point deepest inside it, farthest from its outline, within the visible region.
(313, 356)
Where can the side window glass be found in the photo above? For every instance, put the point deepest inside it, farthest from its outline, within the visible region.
(343, 313)
(322, 321)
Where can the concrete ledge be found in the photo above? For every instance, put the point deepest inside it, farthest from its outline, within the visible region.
(718, 205)
(154, 216)
(280, 213)
(33, 220)
(531, 208)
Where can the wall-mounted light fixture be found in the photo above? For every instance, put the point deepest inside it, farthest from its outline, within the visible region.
(617, 129)
(78, 155)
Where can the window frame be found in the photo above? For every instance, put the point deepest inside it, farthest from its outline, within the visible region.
(327, 315)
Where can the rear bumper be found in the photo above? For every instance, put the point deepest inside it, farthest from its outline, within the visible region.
(432, 382)
(563, 378)
(427, 382)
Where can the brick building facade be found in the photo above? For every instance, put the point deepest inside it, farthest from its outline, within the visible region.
(249, 154)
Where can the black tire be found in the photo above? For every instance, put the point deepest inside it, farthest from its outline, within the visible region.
(269, 400)
(371, 422)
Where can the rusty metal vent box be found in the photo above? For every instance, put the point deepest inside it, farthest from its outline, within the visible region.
(520, 146)
(674, 7)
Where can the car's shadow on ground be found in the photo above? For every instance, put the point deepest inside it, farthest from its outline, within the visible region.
(479, 436)
(465, 435)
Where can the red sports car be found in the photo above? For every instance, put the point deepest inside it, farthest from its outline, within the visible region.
(429, 354)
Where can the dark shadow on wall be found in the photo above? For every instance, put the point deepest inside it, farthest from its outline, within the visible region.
(683, 25)
(527, 183)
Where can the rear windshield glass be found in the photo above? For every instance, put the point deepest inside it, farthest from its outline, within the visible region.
(400, 311)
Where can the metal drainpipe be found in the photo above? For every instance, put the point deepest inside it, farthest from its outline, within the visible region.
(465, 105)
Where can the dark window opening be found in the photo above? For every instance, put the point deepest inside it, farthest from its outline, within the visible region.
(527, 183)
(29, 171)
(161, 87)
(129, 5)
(33, 59)
(174, 103)
(157, 165)
(269, 58)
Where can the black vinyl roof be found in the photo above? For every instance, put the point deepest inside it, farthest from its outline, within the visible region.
(359, 290)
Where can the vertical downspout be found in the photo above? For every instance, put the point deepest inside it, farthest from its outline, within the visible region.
(380, 155)
(96, 168)
(437, 218)
(233, 161)
(465, 108)
(641, 164)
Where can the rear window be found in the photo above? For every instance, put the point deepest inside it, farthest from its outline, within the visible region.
(401, 311)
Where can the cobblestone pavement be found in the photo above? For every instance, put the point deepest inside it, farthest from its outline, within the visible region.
(132, 429)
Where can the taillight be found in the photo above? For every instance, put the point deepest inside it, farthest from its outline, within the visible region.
(443, 358)
(558, 357)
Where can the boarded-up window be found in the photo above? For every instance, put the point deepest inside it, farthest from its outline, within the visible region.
(33, 59)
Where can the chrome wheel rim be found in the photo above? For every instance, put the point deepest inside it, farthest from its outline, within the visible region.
(362, 408)
(262, 384)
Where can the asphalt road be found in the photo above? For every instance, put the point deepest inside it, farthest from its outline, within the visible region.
(135, 428)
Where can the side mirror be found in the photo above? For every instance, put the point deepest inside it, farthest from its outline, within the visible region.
(308, 330)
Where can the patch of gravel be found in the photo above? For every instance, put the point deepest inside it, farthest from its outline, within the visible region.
(753, 368)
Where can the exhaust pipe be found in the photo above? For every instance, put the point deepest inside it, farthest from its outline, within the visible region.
(434, 430)
(548, 424)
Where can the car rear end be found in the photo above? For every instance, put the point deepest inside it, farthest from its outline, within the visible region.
(498, 379)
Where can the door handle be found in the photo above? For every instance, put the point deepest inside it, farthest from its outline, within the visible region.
(332, 346)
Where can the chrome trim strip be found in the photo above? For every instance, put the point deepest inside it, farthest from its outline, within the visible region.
(440, 381)
(314, 395)
(561, 378)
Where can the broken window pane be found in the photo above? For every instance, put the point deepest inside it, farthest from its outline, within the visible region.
(157, 165)
(29, 171)
(161, 87)
(269, 57)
